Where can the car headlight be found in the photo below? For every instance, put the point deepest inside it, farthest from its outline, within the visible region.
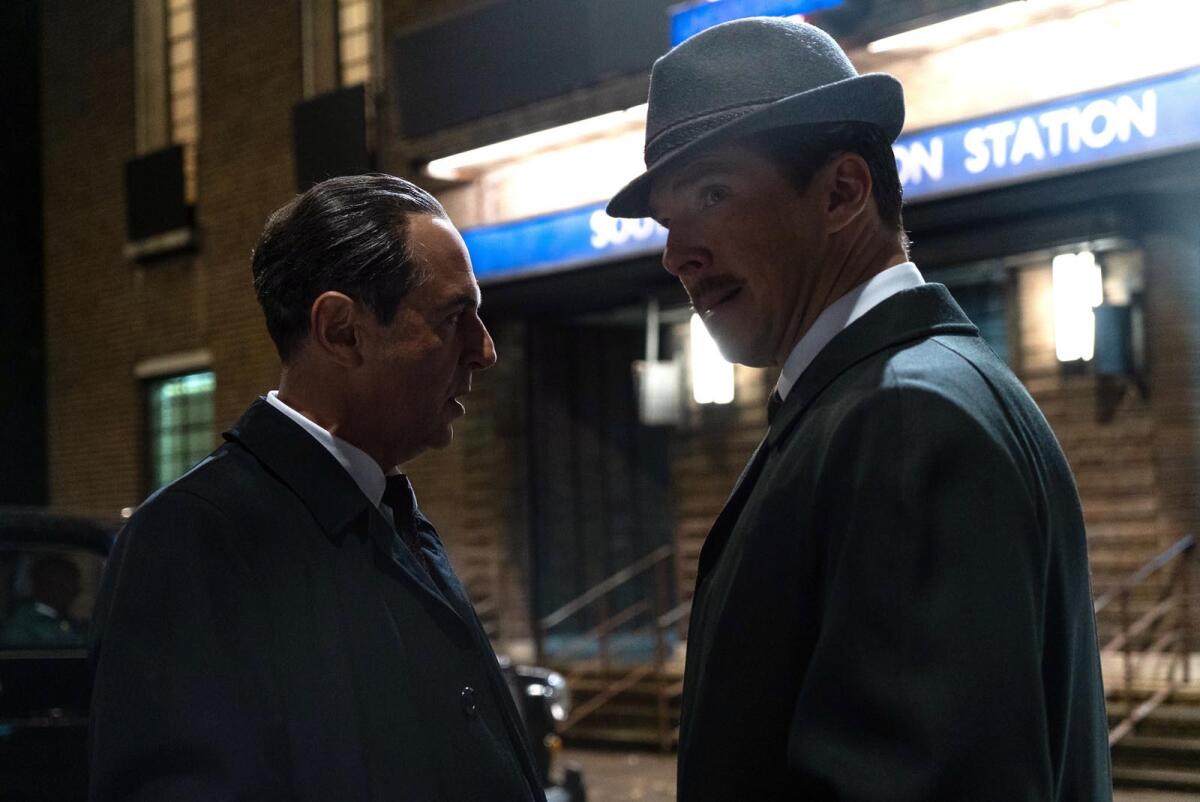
(553, 688)
(560, 701)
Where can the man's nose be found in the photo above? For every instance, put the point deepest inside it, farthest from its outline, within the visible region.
(681, 255)
(483, 356)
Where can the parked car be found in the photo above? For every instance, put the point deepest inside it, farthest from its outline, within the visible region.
(50, 569)
(544, 702)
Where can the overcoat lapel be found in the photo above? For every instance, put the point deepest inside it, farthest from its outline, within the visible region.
(907, 316)
(401, 561)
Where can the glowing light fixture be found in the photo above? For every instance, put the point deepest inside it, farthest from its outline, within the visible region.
(1078, 289)
(1005, 16)
(470, 163)
(712, 376)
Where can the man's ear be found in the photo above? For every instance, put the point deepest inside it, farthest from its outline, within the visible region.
(848, 184)
(332, 321)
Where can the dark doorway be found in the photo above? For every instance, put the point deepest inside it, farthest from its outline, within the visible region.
(599, 479)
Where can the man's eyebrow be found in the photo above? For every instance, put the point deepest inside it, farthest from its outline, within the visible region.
(699, 170)
(464, 299)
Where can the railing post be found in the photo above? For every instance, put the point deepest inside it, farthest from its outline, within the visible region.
(1185, 617)
(1126, 650)
(602, 605)
(660, 581)
(659, 608)
(539, 641)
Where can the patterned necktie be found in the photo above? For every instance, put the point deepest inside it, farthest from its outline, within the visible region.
(773, 405)
(398, 495)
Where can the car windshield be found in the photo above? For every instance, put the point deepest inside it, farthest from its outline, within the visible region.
(46, 596)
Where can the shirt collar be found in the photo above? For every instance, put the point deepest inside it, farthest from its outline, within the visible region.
(840, 314)
(363, 469)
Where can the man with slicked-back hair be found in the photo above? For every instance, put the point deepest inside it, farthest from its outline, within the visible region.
(281, 623)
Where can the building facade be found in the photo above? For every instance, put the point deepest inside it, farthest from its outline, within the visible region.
(1051, 176)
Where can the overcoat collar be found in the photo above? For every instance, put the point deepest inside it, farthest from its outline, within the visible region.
(330, 493)
(908, 315)
(303, 464)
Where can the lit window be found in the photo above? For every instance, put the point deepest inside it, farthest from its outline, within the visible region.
(167, 88)
(182, 89)
(180, 424)
(354, 41)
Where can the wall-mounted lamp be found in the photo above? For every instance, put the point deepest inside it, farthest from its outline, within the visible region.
(989, 21)
(471, 163)
(1078, 290)
(659, 383)
(712, 376)
(940, 34)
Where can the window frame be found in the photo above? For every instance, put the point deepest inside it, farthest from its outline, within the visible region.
(151, 450)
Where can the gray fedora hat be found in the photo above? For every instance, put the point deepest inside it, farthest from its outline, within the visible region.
(746, 76)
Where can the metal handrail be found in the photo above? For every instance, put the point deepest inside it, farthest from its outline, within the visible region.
(1174, 597)
(660, 622)
(605, 586)
(673, 617)
(604, 628)
(1142, 574)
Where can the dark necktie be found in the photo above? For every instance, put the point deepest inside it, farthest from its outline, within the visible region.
(773, 405)
(398, 495)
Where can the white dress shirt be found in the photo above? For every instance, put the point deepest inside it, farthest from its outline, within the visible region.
(840, 314)
(363, 468)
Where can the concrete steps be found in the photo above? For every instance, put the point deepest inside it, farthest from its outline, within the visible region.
(1183, 781)
(631, 718)
(1163, 751)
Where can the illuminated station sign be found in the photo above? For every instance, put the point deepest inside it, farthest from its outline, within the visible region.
(688, 19)
(1143, 119)
(1139, 120)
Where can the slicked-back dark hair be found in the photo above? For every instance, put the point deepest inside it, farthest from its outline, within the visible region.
(803, 149)
(347, 235)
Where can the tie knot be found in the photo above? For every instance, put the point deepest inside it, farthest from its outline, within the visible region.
(773, 405)
(398, 495)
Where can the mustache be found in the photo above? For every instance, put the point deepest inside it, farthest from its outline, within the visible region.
(710, 286)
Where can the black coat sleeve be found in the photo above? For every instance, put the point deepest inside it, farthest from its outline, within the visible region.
(179, 696)
(925, 683)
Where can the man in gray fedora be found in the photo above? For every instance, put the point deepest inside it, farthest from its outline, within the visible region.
(894, 603)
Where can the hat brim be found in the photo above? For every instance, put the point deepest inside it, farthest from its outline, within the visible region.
(874, 98)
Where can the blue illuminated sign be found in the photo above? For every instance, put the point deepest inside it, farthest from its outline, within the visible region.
(1148, 118)
(691, 18)
(570, 238)
(1136, 120)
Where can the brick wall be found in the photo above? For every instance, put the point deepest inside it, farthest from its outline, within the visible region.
(708, 454)
(1172, 249)
(1113, 460)
(87, 124)
(474, 492)
(105, 313)
(250, 78)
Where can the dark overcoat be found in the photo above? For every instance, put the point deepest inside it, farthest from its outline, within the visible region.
(895, 603)
(263, 634)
